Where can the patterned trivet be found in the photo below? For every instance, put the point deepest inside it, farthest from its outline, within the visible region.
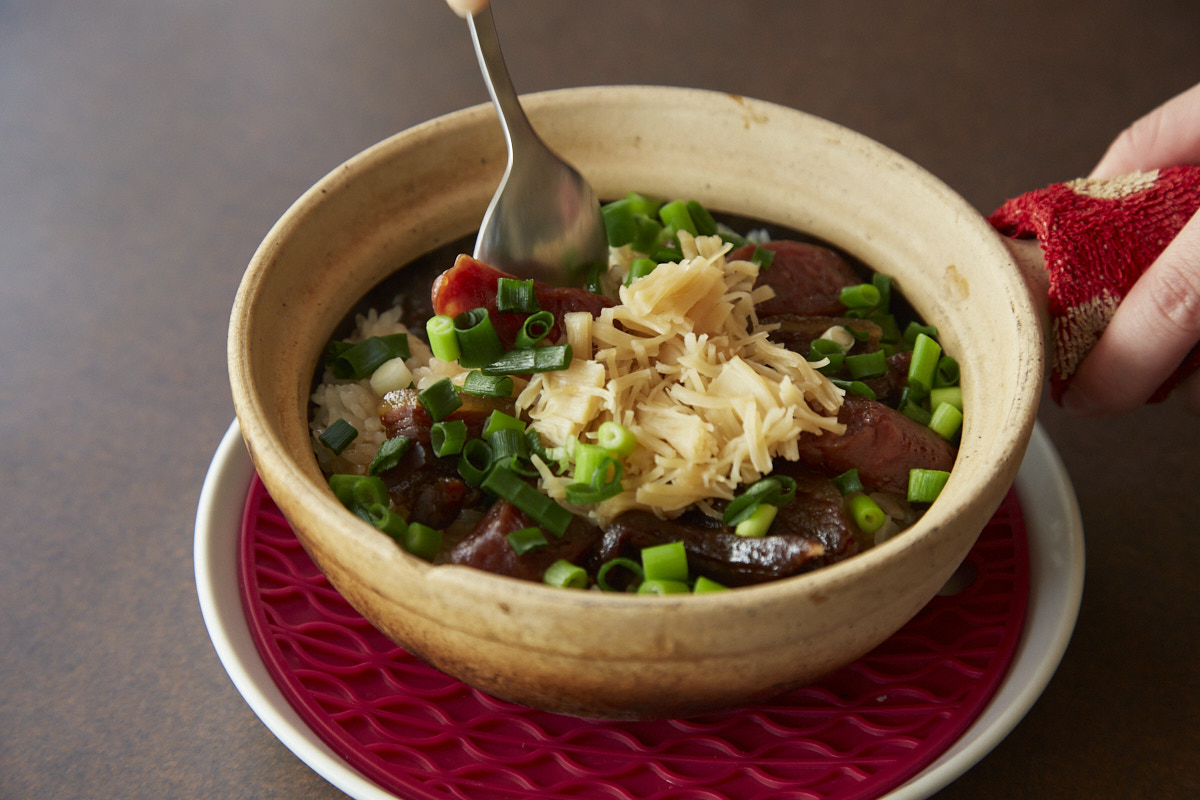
(417, 733)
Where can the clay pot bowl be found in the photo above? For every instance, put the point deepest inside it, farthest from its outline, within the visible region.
(612, 655)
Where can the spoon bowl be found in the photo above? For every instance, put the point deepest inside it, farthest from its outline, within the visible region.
(544, 220)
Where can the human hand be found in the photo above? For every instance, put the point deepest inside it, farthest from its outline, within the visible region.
(1158, 322)
(465, 8)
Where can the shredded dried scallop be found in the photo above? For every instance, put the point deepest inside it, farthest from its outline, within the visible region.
(682, 363)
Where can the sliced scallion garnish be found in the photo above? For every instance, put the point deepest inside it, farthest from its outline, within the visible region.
(440, 399)
(338, 436)
(478, 343)
(526, 540)
(479, 385)
(565, 575)
(531, 359)
(665, 562)
(534, 329)
(762, 257)
(516, 295)
(358, 361)
(503, 482)
(448, 437)
(867, 514)
(389, 454)
(422, 541)
(924, 485)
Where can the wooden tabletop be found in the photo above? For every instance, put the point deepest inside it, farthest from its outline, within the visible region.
(147, 147)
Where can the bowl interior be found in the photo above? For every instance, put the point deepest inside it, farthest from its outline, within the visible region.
(430, 185)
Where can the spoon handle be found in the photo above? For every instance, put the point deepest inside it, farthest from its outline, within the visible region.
(499, 84)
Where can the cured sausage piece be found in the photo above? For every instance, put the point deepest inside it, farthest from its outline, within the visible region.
(882, 443)
(487, 547)
(471, 284)
(403, 415)
(807, 279)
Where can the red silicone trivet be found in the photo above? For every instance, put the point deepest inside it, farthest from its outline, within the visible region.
(419, 734)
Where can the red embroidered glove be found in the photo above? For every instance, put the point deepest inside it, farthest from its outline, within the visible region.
(1099, 236)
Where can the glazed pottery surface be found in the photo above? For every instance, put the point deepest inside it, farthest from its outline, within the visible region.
(615, 655)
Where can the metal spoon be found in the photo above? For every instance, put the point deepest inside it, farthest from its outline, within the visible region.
(544, 220)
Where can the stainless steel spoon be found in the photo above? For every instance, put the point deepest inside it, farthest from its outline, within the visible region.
(544, 220)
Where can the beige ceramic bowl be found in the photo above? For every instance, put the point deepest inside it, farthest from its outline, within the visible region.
(622, 656)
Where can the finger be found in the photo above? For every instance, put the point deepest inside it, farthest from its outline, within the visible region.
(1167, 136)
(465, 8)
(1152, 331)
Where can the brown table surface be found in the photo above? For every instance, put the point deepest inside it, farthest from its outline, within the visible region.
(146, 148)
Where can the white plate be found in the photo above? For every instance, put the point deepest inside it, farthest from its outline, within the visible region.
(1056, 558)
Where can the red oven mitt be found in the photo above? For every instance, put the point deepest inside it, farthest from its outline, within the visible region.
(1098, 237)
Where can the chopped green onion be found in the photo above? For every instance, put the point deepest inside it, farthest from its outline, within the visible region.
(946, 394)
(910, 406)
(534, 329)
(422, 541)
(665, 562)
(924, 485)
(887, 323)
(527, 540)
(386, 520)
(359, 492)
(946, 421)
(475, 461)
(854, 387)
(503, 482)
(666, 255)
(705, 585)
(389, 454)
(822, 349)
(777, 490)
(448, 437)
(618, 440)
(862, 295)
(565, 575)
(506, 443)
(531, 359)
(586, 494)
(516, 295)
(675, 215)
(500, 421)
(642, 205)
(926, 353)
(762, 257)
(589, 460)
(479, 385)
(440, 399)
(947, 373)
(359, 360)
(867, 365)
(757, 524)
(338, 436)
(478, 342)
(618, 563)
(647, 236)
(848, 482)
(619, 222)
(910, 333)
(662, 587)
(443, 341)
(639, 268)
(705, 224)
(884, 284)
(867, 514)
